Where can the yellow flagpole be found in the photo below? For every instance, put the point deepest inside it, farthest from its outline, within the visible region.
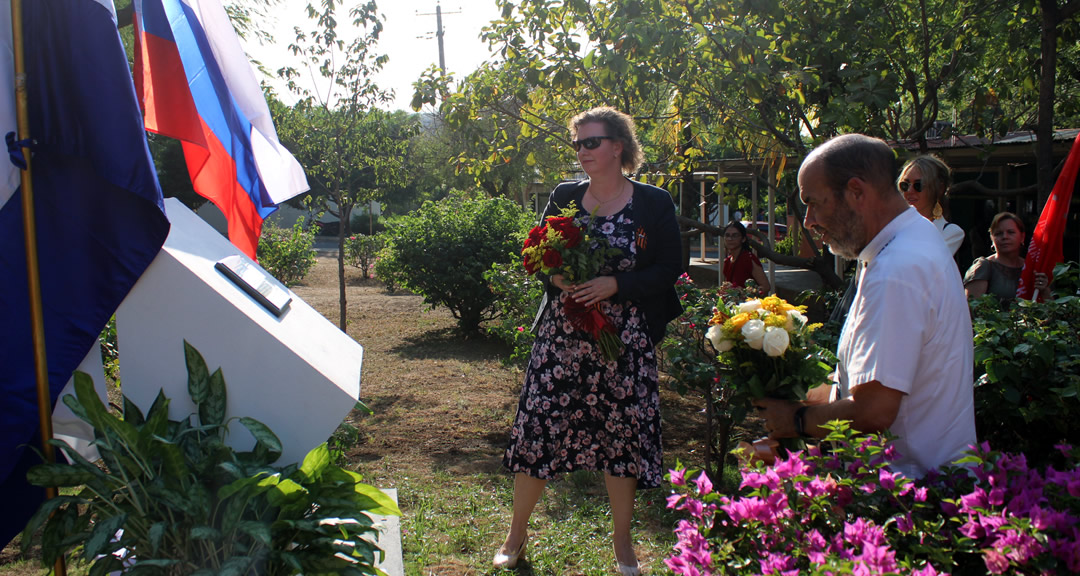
(37, 318)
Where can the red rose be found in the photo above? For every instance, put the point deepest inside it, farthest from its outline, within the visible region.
(565, 226)
(530, 266)
(537, 235)
(552, 259)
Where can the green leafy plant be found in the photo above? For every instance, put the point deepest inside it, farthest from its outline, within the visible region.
(518, 296)
(173, 498)
(287, 254)
(110, 357)
(1027, 366)
(361, 251)
(442, 250)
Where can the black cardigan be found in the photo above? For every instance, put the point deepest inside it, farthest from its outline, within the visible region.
(651, 284)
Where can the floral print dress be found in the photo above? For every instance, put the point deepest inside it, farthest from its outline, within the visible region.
(579, 411)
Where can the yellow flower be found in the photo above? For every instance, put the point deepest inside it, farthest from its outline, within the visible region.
(718, 318)
(776, 320)
(735, 323)
(773, 304)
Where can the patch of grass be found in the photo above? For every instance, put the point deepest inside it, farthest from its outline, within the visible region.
(453, 524)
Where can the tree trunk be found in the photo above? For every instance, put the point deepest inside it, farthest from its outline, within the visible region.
(1044, 144)
(345, 209)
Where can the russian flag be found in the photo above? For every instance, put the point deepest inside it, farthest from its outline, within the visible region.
(196, 85)
(99, 213)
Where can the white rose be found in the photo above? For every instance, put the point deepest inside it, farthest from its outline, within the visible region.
(795, 319)
(716, 338)
(776, 341)
(753, 331)
(750, 306)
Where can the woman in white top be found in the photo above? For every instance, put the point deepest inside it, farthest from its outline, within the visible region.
(924, 181)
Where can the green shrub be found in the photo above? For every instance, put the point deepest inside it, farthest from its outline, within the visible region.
(287, 255)
(1027, 368)
(442, 250)
(189, 504)
(361, 251)
(517, 297)
(363, 223)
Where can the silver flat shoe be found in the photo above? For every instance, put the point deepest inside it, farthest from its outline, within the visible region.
(507, 561)
(625, 570)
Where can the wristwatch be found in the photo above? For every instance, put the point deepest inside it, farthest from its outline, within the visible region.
(800, 422)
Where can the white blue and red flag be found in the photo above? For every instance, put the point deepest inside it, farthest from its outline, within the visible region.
(1045, 247)
(197, 85)
(99, 213)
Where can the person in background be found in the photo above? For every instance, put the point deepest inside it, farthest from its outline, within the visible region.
(924, 181)
(579, 410)
(905, 353)
(741, 264)
(999, 273)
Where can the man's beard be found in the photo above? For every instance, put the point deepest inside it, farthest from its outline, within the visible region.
(846, 232)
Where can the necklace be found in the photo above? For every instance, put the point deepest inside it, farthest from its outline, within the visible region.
(600, 202)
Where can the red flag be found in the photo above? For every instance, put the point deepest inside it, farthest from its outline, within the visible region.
(1044, 251)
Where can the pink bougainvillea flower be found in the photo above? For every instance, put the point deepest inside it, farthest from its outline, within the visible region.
(996, 562)
(704, 485)
(678, 477)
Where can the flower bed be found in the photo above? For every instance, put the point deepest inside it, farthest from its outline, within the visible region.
(844, 512)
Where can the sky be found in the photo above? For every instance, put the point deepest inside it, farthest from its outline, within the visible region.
(408, 38)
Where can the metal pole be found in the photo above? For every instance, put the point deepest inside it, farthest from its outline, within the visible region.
(439, 35)
(37, 318)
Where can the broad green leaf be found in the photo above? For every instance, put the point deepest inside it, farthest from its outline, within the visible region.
(59, 475)
(198, 374)
(316, 461)
(106, 565)
(156, 532)
(104, 531)
(257, 530)
(43, 513)
(132, 413)
(262, 433)
(383, 504)
(212, 410)
(205, 533)
(284, 492)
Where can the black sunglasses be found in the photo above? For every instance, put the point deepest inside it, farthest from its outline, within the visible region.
(917, 185)
(590, 143)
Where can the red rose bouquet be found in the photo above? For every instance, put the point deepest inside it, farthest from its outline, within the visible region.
(560, 246)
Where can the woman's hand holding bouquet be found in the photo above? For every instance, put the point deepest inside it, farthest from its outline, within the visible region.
(562, 247)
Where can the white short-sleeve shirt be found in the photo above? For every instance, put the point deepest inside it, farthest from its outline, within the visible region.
(909, 328)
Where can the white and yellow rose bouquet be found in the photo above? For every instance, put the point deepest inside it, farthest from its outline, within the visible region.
(766, 346)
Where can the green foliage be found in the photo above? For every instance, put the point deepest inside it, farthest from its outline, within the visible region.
(1027, 362)
(517, 297)
(189, 504)
(287, 254)
(442, 251)
(110, 356)
(692, 364)
(361, 251)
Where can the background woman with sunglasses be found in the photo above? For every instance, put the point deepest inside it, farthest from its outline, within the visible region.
(924, 181)
(578, 410)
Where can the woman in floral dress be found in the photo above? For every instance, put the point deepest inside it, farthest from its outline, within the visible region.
(578, 410)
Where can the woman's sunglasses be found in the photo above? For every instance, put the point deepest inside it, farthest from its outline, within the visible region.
(905, 184)
(590, 143)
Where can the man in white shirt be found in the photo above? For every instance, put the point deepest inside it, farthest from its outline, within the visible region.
(906, 349)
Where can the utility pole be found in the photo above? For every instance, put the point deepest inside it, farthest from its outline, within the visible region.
(439, 32)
